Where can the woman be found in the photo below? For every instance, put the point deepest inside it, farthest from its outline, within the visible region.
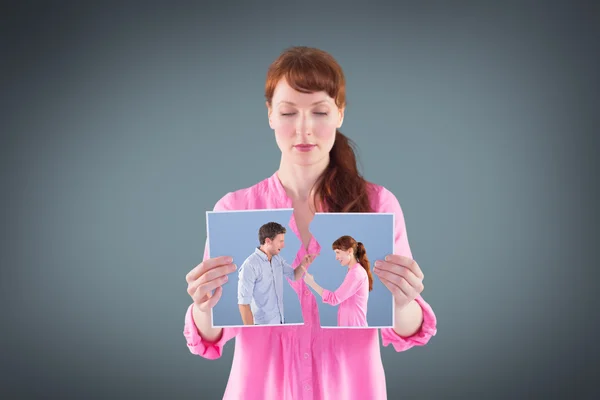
(305, 99)
(353, 294)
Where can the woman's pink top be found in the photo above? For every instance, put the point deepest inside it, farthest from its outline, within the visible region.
(352, 297)
(306, 361)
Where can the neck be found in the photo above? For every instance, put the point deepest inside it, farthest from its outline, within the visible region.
(298, 180)
(352, 263)
(266, 252)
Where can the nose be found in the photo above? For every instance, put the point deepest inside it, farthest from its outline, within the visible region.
(304, 125)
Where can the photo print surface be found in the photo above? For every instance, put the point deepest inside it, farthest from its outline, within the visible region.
(264, 249)
(349, 294)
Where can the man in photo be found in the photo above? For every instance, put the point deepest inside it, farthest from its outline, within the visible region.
(260, 284)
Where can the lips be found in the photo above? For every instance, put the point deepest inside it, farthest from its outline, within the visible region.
(304, 147)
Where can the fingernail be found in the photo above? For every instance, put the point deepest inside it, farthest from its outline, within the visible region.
(377, 263)
(229, 260)
(233, 267)
(387, 258)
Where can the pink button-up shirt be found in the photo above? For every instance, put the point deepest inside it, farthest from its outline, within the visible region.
(306, 361)
(352, 297)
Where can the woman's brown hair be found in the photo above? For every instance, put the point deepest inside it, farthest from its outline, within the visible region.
(346, 243)
(340, 188)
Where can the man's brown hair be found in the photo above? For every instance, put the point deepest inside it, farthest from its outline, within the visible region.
(270, 230)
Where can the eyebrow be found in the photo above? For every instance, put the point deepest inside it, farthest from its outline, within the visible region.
(293, 104)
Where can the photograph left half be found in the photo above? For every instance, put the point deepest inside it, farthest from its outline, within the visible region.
(262, 291)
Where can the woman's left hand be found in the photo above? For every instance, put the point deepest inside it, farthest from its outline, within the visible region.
(402, 276)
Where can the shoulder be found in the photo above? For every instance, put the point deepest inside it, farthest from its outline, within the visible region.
(251, 259)
(250, 262)
(245, 198)
(280, 259)
(359, 271)
(382, 199)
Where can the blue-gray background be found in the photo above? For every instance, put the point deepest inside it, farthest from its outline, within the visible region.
(122, 124)
(235, 234)
(376, 232)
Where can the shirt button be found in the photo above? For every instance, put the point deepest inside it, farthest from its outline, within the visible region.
(307, 387)
(305, 355)
(306, 292)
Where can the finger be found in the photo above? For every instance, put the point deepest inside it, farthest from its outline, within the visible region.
(203, 293)
(403, 290)
(407, 289)
(405, 262)
(210, 303)
(407, 286)
(208, 287)
(208, 276)
(217, 272)
(389, 276)
(206, 265)
(393, 288)
(404, 272)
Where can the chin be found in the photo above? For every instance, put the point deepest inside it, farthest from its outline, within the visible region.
(309, 158)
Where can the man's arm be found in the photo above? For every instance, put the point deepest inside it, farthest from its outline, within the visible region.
(246, 281)
(291, 273)
(298, 273)
(246, 313)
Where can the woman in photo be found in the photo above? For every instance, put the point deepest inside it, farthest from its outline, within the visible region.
(305, 95)
(353, 294)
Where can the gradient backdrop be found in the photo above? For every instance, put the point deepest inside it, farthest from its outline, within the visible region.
(121, 125)
(235, 234)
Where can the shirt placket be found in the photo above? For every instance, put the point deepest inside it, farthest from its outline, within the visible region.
(306, 352)
(277, 294)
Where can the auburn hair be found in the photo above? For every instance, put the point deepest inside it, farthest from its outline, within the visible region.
(346, 243)
(341, 187)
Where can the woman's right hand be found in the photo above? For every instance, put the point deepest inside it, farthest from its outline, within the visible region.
(207, 276)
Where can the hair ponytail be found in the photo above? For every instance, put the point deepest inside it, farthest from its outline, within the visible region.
(361, 257)
(346, 243)
(341, 188)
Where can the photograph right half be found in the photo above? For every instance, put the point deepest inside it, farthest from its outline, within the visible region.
(349, 294)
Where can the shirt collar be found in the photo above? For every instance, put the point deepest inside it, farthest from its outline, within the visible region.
(261, 254)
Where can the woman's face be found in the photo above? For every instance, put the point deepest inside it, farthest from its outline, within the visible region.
(304, 124)
(343, 257)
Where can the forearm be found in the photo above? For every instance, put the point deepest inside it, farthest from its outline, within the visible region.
(203, 321)
(317, 288)
(298, 272)
(246, 313)
(408, 319)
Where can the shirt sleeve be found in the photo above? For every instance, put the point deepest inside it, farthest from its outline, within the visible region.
(246, 282)
(389, 204)
(288, 270)
(351, 284)
(196, 343)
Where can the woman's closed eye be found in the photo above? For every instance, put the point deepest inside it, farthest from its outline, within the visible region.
(290, 114)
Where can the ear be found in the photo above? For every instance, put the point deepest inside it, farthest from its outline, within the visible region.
(269, 112)
(341, 117)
